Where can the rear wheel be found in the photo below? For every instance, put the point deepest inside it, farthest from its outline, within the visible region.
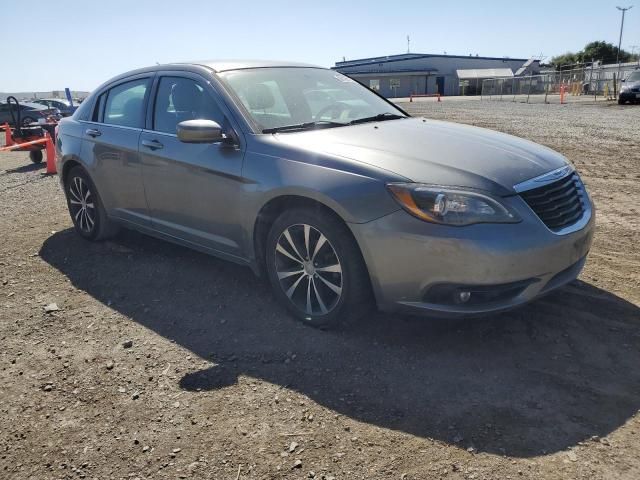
(316, 269)
(26, 121)
(85, 207)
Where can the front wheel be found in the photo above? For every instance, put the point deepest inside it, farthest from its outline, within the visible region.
(316, 269)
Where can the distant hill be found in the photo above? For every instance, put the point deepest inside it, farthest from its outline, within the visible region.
(52, 94)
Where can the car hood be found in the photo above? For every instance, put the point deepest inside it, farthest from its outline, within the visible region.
(435, 152)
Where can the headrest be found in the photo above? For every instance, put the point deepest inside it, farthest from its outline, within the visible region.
(259, 97)
(185, 96)
(132, 110)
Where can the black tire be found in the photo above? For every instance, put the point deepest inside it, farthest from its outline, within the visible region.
(620, 101)
(317, 289)
(26, 121)
(35, 156)
(93, 224)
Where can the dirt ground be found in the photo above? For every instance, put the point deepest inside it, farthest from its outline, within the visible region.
(165, 363)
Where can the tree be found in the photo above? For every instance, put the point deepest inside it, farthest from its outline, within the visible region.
(603, 51)
(598, 50)
(568, 58)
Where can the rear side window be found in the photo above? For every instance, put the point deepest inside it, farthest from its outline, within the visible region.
(83, 111)
(125, 104)
(179, 99)
(99, 108)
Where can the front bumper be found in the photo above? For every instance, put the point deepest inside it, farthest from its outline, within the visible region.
(629, 97)
(407, 258)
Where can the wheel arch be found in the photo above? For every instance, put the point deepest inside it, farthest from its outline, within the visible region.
(67, 167)
(276, 206)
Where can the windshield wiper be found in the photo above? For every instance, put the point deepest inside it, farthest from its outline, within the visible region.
(377, 118)
(304, 126)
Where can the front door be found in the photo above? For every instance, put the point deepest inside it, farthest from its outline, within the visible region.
(110, 149)
(192, 189)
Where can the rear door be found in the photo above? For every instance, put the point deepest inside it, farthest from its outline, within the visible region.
(110, 147)
(192, 189)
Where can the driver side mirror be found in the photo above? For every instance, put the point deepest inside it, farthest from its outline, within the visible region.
(200, 131)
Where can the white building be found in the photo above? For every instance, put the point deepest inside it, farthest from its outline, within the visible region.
(420, 74)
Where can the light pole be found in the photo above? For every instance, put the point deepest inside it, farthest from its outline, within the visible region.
(623, 10)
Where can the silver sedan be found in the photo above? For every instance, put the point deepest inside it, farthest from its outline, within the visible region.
(342, 200)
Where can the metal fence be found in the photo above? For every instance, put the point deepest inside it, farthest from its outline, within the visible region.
(586, 84)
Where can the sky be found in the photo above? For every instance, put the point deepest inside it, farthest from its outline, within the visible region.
(82, 43)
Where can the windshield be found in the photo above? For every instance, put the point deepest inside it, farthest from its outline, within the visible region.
(281, 97)
(634, 77)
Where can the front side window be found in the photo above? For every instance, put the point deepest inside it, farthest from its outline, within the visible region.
(125, 104)
(179, 99)
(282, 96)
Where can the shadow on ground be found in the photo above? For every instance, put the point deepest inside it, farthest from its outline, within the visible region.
(29, 167)
(534, 381)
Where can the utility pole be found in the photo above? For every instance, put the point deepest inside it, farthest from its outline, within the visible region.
(623, 10)
(408, 44)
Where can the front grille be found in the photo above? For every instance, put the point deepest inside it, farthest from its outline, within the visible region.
(559, 204)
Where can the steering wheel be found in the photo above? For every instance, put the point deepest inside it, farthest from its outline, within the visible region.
(336, 110)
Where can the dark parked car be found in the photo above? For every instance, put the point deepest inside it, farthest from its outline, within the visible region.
(630, 90)
(65, 107)
(29, 113)
(335, 194)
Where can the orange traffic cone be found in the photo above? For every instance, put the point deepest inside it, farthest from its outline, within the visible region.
(51, 154)
(8, 141)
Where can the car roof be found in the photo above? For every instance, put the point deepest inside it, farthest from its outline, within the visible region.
(34, 106)
(224, 65)
(215, 66)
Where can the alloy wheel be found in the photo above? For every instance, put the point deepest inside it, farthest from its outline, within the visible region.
(308, 269)
(81, 204)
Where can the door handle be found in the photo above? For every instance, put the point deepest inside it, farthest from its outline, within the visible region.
(152, 144)
(92, 132)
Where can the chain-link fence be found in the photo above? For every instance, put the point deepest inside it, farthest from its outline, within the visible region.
(589, 83)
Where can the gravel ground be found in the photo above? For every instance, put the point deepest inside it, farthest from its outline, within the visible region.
(159, 362)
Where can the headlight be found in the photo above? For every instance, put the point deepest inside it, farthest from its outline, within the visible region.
(625, 89)
(450, 206)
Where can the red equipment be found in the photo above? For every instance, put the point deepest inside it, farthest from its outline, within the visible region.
(31, 138)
